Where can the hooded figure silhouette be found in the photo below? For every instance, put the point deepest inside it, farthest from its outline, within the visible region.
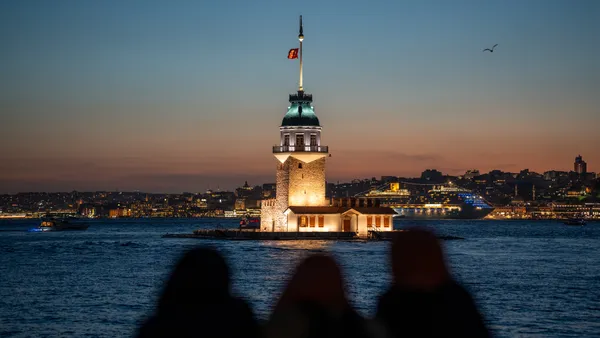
(196, 302)
(424, 300)
(314, 304)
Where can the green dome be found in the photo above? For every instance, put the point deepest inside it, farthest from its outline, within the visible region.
(300, 114)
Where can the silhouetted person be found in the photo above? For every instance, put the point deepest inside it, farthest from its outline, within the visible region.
(424, 300)
(314, 304)
(196, 302)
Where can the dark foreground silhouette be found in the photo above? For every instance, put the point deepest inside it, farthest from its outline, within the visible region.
(423, 300)
(314, 304)
(196, 302)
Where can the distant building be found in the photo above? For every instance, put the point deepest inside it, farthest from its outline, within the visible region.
(432, 175)
(554, 174)
(523, 174)
(470, 174)
(244, 191)
(240, 204)
(388, 179)
(119, 212)
(223, 200)
(517, 200)
(268, 190)
(201, 203)
(579, 166)
(87, 210)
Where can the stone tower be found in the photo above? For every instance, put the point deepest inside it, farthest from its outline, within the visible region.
(301, 158)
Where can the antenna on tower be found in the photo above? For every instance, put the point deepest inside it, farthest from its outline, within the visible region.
(301, 38)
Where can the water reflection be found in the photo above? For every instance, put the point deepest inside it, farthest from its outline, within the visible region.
(297, 245)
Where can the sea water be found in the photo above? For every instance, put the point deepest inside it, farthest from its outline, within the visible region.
(537, 278)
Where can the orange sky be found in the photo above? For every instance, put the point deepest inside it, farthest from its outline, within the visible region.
(171, 99)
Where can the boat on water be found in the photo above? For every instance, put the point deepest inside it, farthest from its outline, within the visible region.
(61, 224)
(250, 223)
(575, 222)
(440, 202)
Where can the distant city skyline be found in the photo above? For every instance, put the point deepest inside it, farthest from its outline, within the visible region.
(164, 98)
(217, 183)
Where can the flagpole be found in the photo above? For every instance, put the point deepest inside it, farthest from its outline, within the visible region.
(301, 38)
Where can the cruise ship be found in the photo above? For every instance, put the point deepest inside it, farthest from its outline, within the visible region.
(434, 202)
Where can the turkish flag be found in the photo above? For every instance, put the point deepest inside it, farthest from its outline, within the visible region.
(293, 53)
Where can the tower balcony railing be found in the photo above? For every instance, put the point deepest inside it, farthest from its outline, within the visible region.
(289, 149)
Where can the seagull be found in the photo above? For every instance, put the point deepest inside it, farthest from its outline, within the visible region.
(491, 50)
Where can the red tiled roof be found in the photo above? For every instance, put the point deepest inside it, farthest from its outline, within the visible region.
(318, 210)
(375, 210)
(341, 210)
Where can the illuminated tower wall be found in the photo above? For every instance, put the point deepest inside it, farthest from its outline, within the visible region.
(306, 182)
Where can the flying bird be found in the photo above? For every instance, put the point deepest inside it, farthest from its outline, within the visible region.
(491, 50)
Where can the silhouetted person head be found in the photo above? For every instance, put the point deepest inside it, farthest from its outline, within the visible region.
(314, 304)
(317, 280)
(418, 260)
(424, 300)
(201, 277)
(196, 301)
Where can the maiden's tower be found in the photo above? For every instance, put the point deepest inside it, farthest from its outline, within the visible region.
(300, 204)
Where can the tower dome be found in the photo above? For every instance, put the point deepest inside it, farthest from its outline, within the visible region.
(300, 114)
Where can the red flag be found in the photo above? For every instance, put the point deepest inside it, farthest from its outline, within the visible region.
(293, 53)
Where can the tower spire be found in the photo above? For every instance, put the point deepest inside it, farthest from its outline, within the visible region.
(301, 38)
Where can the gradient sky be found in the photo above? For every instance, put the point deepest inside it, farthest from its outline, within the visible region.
(176, 96)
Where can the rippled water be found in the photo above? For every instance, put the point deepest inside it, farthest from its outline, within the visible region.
(529, 278)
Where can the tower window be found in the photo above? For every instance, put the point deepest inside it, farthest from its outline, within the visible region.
(286, 140)
(299, 141)
(313, 140)
(299, 165)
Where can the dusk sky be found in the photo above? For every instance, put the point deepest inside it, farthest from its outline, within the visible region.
(179, 96)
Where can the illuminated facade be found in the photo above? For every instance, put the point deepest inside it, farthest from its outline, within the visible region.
(579, 166)
(300, 204)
